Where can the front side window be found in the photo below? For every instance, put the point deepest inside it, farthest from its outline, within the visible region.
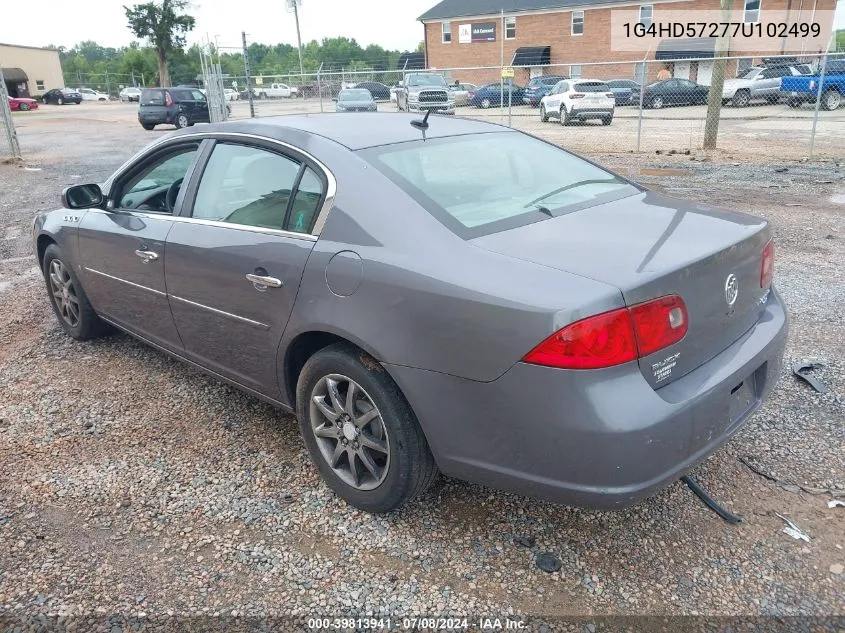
(646, 14)
(252, 187)
(156, 187)
(510, 28)
(752, 10)
(512, 180)
(577, 23)
(446, 31)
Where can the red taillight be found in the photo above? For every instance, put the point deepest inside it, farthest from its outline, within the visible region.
(577, 95)
(659, 323)
(615, 337)
(168, 100)
(767, 265)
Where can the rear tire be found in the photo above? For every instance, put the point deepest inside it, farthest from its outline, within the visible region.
(831, 99)
(23, 107)
(606, 120)
(403, 464)
(182, 121)
(794, 103)
(565, 119)
(148, 126)
(656, 103)
(543, 116)
(60, 101)
(486, 103)
(70, 303)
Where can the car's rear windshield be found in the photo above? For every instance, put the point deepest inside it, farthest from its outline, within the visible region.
(152, 97)
(354, 94)
(591, 86)
(478, 184)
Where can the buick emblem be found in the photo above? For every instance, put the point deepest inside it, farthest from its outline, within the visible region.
(731, 289)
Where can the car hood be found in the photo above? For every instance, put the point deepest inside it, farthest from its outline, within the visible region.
(418, 89)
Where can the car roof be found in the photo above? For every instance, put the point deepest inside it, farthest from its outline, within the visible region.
(370, 129)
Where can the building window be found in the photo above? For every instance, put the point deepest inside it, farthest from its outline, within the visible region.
(39, 84)
(575, 71)
(577, 23)
(446, 31)
(510, 28)
(752, 10)
(646, 14)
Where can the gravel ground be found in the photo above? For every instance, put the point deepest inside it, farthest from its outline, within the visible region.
(133, 484)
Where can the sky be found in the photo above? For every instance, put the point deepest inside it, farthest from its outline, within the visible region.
(390, 23)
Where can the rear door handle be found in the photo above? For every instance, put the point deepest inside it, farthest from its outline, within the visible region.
(262, 282)
(147, 256)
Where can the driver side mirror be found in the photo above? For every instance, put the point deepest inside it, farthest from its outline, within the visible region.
(82, 197)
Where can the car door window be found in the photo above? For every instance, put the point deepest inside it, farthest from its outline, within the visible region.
(156, 186)
(246, 185)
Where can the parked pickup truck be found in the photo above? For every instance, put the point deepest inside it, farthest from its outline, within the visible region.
(276, 91)
(420, 92)
(804, 88)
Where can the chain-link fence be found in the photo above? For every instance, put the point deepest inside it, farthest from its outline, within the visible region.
(774, 107)
(105, 83)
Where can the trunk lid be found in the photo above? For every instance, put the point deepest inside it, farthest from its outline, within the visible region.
(648, 246)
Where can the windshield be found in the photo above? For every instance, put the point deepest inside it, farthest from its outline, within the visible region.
(592, 86)
(512, 179)
(751, 73)
(427, 80)
(354, 95)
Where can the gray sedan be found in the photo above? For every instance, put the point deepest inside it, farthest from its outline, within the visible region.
(448, 295)
(355, 100)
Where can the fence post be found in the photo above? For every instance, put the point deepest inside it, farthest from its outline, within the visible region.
(320, 86)
(8, 123)
(642, 80)
(819, 98)
(248, 78)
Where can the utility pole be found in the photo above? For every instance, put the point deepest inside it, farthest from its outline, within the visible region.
(717, 82)
(294, 4)
(248, 78)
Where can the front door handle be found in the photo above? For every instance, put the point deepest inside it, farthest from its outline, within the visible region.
(262, 282)
(147, 256)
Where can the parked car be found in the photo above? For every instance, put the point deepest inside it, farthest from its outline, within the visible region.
(355, 100)
(22, 104)
(230, 94)
(625, 91)
(276, 91)
(379, 91)
(757, 84)
(495, 94)
(425, 91)
(802, 88)
(93, 95)
(649, 333)
(181, 107)
(539, 87)
(130, 93)
(61, 96)
(578, 99)
(668, 92)
(460, 93)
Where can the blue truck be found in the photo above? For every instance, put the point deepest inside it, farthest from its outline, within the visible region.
(803, 88)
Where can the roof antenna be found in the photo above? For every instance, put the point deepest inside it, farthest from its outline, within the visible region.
(422, 124)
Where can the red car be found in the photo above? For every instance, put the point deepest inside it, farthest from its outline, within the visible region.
(22, 103)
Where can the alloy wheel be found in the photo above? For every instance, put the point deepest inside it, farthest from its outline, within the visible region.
(183, 121)
(486, 103)
(350, 432)
(832, 100)
(64, 294)
(657, 103)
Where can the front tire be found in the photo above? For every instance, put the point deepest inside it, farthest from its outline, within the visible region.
(60, 101)
(656, 103)
(69, 301)
(486, 103)
(543, 116)
(564, 117)
(23, 107)
(360, 431)
(741, 99)
(606, 120)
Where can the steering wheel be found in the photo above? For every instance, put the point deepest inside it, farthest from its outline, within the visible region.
(172, 194)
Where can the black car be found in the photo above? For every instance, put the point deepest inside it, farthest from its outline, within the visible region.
(181, 107)
(674, 92)
(61, 96)
(625, 91)
(379, 91)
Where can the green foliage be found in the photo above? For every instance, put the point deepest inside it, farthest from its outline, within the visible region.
(164, 27)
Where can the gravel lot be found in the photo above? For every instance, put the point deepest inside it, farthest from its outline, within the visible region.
(133, 484)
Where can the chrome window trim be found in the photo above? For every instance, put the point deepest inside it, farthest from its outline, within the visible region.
(126, 281)
(331, 181)
(229, 315)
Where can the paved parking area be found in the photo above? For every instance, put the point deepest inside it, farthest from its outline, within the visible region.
(132, 483)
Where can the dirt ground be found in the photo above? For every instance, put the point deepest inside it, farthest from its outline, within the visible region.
(132, 484)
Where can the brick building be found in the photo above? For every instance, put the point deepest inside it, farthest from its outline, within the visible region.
(560, 36)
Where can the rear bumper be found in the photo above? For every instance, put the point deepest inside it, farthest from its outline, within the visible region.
(591, 112)
(600, 438)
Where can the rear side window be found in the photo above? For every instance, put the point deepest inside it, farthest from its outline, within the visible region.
(152, 97)
(483, 183)
(591, 86)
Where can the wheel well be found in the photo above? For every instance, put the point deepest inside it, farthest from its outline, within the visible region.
(43, 242)
(303, 347)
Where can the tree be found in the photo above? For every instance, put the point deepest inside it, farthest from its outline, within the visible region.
(164, 26)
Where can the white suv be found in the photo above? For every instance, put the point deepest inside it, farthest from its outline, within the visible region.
(578, 99)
